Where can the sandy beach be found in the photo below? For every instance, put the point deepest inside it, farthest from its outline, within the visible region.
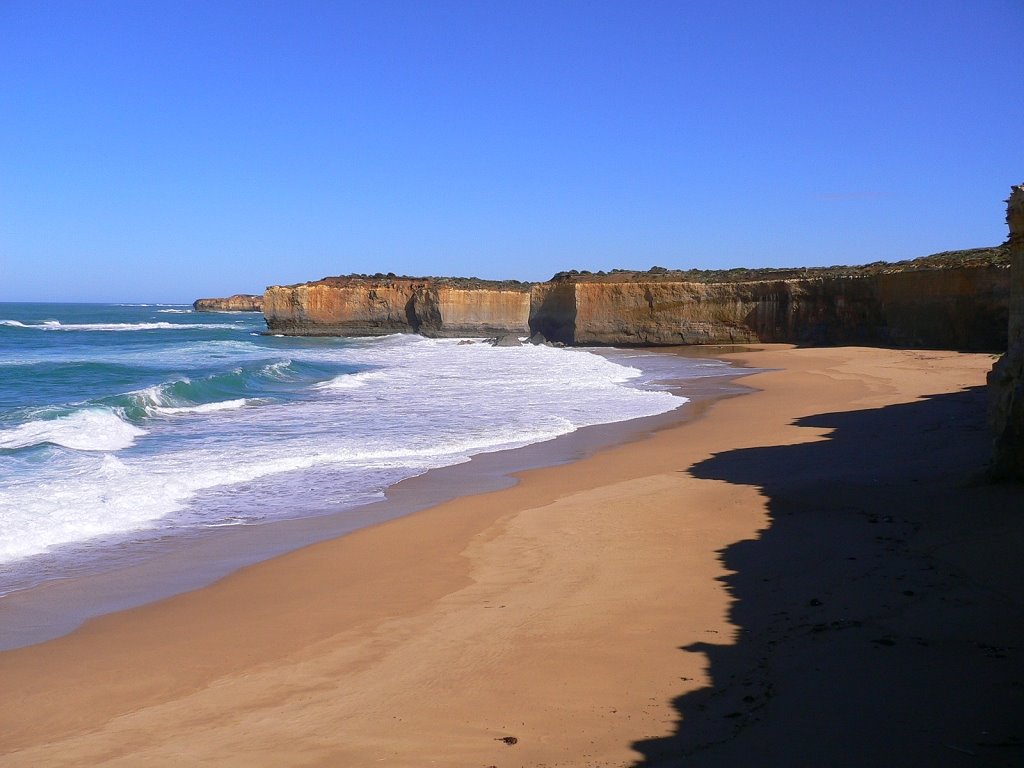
(814, 573)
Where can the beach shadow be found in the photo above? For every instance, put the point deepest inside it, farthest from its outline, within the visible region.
(875, 624)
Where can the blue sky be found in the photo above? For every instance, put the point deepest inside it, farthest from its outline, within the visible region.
(168, 150)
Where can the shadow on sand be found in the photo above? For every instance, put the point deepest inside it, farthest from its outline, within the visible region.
(880, 616)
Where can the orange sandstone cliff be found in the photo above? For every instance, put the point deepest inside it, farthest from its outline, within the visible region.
(374, 306)
(955, 300)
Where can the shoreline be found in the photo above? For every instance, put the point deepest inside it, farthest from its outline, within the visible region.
(154, 569)
(619, 609)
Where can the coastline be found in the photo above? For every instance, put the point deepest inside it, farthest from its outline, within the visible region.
(574, 617)
(133, 573)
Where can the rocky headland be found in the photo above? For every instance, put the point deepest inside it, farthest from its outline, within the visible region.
(954, 300)
(1006, 381)
(240, 302)
(377, 305)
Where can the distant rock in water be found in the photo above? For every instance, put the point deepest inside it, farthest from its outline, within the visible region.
(240, 302)
(507, 340)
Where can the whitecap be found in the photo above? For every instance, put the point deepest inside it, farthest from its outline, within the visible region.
(276, 370)
(158, 326)
(55, 325)
(155, 396)
(91, 429)
(223, 405)
(352, 380)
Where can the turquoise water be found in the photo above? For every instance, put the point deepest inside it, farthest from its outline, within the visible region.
(120, 423)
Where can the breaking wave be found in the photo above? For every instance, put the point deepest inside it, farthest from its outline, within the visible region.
(89, 429)
(56, 325)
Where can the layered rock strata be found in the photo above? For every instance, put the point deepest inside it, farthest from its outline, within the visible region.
(1006, 381)
(955, 300)
(374, 306)
(240, 302)
(962, 307)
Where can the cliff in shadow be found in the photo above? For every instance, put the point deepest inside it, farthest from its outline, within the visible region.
(1006, 381)
(240, 302)
(375, 306)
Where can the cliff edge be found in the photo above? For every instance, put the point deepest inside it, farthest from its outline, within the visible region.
(1006, 380)
(954, 300)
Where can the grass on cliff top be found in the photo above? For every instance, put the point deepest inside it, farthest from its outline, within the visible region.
(391, 278)
(972, 257)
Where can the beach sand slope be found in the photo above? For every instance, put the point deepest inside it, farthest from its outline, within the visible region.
(809, 574)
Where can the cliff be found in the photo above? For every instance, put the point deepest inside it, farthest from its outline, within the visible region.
(1006, 381)
(240, 302)
(374, 306)
(956, 301)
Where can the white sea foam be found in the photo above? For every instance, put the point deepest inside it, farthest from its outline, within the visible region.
(353, 380)
(276, 370)
(415, 405)
(156, 401)
(175, 311)
(223, 405)
(90, 429)
(115, 495)
(56, 325)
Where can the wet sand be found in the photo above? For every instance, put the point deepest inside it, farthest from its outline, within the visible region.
(810, 574)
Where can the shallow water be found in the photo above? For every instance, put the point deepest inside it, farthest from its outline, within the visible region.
(125, 424)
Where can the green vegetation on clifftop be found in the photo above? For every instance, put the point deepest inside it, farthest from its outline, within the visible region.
(998, 256)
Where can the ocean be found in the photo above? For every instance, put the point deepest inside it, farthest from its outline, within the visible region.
(125, 424)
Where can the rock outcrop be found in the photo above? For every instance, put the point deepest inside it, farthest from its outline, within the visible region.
(240, 302)
(374, 306)
(1006, 381)
(957, 304)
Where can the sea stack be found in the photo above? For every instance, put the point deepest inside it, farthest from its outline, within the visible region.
(1006, 381)
(240, 302)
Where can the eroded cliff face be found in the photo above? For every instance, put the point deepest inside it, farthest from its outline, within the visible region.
(338, 309)
(1006, 381)
(357, 306)
(957, 308)
(240, 302)
(955, 300)
(481, 311)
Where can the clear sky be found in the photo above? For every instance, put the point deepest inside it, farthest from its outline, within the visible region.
(161, 151)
